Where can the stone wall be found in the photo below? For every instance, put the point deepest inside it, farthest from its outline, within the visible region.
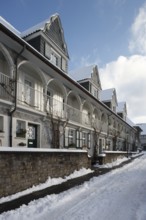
(113, 156)
(20, 170)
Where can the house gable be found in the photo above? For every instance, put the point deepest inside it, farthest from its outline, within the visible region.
(122, 110)
(54, 31)
(48, 38)
(88, 77)
(109, 98)
(95, 77)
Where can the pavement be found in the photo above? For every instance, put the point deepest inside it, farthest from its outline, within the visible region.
(56, 189)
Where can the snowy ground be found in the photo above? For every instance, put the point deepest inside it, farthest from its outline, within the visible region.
(118, 195)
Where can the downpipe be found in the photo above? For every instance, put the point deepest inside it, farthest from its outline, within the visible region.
(15, 98)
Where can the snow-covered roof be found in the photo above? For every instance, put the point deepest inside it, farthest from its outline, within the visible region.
(106, 95)
(121, 106)
(143, 127)
(39, 26)
(9, 26)
(131, 123)
(82, 73)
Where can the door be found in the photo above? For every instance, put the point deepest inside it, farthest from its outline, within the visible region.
(32, 135)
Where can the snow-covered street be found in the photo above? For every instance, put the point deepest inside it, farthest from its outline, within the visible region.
(117, 195)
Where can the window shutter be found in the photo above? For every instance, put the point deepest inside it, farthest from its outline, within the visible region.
(78, 138)
(66, 137)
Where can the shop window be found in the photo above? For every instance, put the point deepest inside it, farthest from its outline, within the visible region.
(20, 129)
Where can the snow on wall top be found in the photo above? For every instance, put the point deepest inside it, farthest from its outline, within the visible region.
(143, 127)
(9, 26)
(82, 73)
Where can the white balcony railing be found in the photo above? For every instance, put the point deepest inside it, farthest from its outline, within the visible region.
(34, 99)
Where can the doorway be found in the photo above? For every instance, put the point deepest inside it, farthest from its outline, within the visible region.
(32, 135)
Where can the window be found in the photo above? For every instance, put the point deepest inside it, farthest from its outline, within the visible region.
(101, 145)
(20, 129)
(89, 140)
(47, 50)
(71, 138)
(77, 138)
(64, 64)
(55, 59)
(94, 92)
(1, 124)
(84, 138)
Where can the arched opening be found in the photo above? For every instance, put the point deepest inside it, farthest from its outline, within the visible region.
(73, 107)
(4, 65)
(31, 84)
(7, 84)
(95, 117)
(86, 114)
(55, 98)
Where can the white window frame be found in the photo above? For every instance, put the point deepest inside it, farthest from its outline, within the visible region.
(71, 137)
(55, 58)
(47, 50)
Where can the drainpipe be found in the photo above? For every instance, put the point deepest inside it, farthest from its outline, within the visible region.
(15, 97)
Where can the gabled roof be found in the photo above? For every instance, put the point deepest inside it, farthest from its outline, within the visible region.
(9, 26)
(86, 73)
(52, 28)
(107, 95)
(143, 127)
(131, 123)
(121, 107)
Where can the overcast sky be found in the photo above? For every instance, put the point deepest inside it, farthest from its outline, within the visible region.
(109, 33)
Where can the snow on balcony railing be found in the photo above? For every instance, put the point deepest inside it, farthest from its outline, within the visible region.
(7, 87)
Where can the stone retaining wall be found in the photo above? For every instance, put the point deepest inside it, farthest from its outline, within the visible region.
(111, 156)
(22, 169)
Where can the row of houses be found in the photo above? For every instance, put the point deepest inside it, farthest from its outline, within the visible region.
(42, 105)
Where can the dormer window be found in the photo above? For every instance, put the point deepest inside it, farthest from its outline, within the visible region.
(55, 59)
(47, 50)
(94, 91)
